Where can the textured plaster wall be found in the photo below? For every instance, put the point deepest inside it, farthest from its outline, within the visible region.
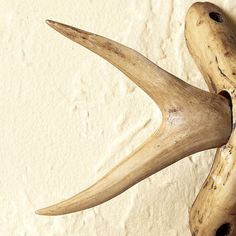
(67, 117)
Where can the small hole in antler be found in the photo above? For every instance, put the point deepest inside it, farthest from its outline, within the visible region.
(224, 230)
(216, 16)
(225, 94)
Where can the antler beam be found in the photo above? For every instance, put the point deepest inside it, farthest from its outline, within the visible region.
(193, 120)
(212, 43)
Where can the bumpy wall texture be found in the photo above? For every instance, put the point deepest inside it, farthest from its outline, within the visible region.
(67, 117)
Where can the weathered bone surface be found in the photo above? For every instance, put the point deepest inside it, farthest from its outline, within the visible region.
(193, 120)
(212, 43)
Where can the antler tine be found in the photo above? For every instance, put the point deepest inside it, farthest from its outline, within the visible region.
(193, 120)
(139, 69)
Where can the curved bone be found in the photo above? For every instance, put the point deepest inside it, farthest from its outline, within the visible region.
(212, 44)
(193, 120)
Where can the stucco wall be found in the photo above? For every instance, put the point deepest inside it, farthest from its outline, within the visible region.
(67, 117)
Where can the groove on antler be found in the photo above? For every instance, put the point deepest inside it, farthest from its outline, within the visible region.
(212, 44)
(193, 120)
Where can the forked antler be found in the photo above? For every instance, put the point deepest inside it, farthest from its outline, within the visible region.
(193, 120)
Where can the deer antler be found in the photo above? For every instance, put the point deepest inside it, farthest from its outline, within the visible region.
(193, 120)
(212, 44)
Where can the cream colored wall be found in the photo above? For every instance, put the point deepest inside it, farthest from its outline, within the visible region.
(67, 116)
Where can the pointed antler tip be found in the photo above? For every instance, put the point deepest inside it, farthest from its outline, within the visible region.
(38, 212)
(64, 29)
(50, 22)
(53, 23)
(44, 212)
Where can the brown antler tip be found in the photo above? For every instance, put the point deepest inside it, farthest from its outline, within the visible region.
(50, 22)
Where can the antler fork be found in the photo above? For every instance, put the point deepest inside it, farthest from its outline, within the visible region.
(193, 119)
